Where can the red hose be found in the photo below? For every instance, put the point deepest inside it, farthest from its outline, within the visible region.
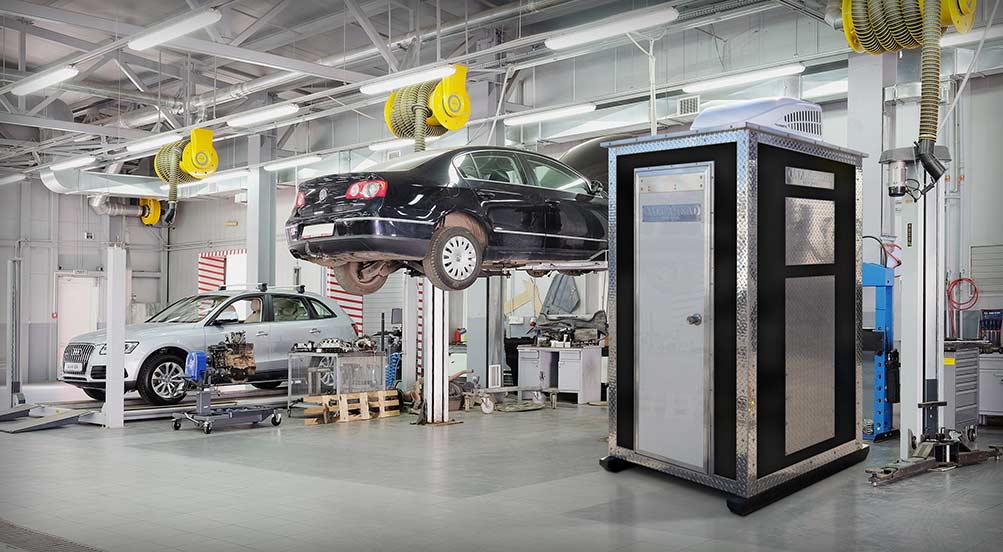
(957, 305)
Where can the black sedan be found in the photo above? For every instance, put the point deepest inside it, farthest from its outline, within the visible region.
(452, 215)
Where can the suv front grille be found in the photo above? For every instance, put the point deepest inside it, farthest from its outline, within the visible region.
(78, 352)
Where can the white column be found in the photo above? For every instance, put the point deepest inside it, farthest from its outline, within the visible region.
(435, 357)
(409, 334)
(260, 218)
(866, 80)
(114, 404)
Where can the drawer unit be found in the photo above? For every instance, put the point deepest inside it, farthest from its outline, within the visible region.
(991, 392)
(961, 388)
(569, 375)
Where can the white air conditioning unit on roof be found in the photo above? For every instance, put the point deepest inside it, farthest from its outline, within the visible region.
(788, 114)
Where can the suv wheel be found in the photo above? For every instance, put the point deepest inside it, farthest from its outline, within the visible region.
(162, 379)
(362, 278)
(96, 394)
(454, 258)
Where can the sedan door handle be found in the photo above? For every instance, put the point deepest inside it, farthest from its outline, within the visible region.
(261, 332)
(552, 202)
(314, 330)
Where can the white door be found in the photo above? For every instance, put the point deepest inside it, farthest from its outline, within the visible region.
(672, 314)
(77, 308)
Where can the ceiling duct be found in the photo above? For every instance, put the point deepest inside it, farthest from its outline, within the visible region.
(90, 183)
(103, 204)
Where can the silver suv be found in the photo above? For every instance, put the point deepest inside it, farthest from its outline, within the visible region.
(272, 319)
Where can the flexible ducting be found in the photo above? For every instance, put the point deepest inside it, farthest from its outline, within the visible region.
(881, 26)
(168, 160)
(104, 205)
(408, 118)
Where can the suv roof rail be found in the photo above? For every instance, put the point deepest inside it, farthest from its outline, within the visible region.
(260, 286)
(263, 287)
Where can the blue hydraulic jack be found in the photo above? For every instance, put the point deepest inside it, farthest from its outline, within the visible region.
(886, 357)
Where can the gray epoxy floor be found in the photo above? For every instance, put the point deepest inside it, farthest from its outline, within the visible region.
(500, 482)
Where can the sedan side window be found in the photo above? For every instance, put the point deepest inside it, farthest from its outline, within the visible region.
(289, 309)
(551, 176)
(490, 166)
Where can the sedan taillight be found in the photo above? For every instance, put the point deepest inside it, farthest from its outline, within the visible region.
(367, 189)
(300, 200)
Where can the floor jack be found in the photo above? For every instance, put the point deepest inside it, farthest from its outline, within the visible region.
(941, 451)
(230, 360)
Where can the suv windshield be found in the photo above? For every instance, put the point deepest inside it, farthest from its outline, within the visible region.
(188, 310)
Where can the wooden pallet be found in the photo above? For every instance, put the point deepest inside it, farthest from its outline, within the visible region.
(349, 407)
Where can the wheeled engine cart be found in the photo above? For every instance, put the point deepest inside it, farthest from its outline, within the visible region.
(199, 369)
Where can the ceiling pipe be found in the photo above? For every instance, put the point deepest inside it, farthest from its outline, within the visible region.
(103, 204)
(267, 82)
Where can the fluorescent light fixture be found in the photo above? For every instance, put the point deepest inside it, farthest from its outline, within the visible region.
(954, 40)
(44, 79)
(394, 82)
(74, 163)
(251, 118)
(169, 31)
(292, 162)
(828, 89)
(548, 115)
(152, 143)
(11, 179)
(744, 78)
(398, 144)
(613, 26)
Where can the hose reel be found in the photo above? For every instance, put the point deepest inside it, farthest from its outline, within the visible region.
(185, 161)
(429, 108)
(880, 26)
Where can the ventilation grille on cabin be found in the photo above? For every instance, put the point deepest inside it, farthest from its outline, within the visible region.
(690, 105)
(806, 122)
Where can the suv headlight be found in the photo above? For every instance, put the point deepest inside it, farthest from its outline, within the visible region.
(130, 346)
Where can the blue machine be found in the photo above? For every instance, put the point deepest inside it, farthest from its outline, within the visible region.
(886, 359)
(195, 365)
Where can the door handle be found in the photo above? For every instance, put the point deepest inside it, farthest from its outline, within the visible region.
(314, 331)
(484, 195)
(261, 333)
(552, 202)
(694, 319)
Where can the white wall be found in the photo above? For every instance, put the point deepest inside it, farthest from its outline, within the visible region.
(54, 232)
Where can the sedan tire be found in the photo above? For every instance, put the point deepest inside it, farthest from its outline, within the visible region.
(161, 380)
(362, 278)
(454, 258)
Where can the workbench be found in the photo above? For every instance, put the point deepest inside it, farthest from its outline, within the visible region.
(565, 370)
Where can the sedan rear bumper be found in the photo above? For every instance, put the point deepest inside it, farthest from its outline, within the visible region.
(362, 239)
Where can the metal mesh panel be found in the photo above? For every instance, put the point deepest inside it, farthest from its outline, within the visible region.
(336, 373)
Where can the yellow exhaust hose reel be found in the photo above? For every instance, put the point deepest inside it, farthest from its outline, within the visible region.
(429, 108)
(880, 26)
(184, 161)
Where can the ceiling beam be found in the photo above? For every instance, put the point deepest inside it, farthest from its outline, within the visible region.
(210, 30)
(85, 46)
(367, 26)
(259, 23)
(19, 8)
(70, 126)
(138, 83)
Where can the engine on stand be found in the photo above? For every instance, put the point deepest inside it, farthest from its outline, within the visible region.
(230, 360)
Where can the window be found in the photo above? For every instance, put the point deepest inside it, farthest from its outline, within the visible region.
(490, 166)
(188, 310)
(550, 175)
(246, 310)
(289, 309)
(321, 309)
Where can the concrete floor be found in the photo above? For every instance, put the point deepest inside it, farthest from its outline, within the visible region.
(523, 481)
